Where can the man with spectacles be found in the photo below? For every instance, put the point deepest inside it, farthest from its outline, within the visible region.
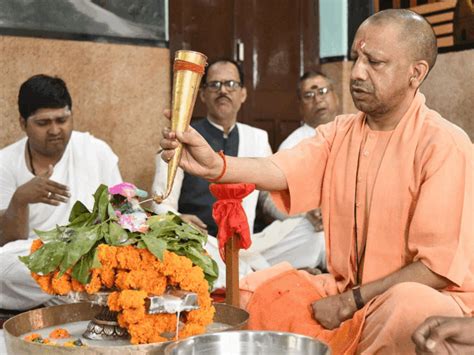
(318, 104)
(301, 238)
(41, 177)
(223, 92)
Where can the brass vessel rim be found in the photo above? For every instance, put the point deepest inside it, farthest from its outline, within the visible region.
(190, 51)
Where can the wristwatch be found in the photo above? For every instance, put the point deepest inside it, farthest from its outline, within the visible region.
(358, 297)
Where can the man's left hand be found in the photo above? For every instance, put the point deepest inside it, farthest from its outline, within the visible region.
(331, 311)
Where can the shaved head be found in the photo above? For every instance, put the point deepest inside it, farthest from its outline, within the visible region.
(414, 30)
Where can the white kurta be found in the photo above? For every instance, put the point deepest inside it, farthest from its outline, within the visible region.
(86, 163)
(295, 137)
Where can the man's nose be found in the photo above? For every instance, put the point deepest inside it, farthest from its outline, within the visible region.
(359, 71)
(224, 88)
(54, 128)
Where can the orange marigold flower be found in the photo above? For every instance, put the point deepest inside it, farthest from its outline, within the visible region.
(113, 302)
(107, 276)
(76, 285)
(59, 333)
(149, 261)
(94, 285)
(164, 322)
(44, 281)
(32, 337)
(129, 280)
(133, 315)
(132, 299)
(107, 255)
(141, 333)
(154, 284)
(121, 321)
(37, 243)
(128, 258)
(61, 285)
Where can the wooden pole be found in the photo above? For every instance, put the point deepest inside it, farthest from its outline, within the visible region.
(232, 271)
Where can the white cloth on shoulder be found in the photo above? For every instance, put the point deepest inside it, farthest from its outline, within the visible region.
(86, 163)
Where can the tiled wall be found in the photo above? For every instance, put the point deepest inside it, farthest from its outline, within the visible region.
(449, 88)
(118, 91)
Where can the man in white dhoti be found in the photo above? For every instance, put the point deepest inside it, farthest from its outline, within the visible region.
(41, 176)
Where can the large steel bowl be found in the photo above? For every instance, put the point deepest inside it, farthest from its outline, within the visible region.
(248, 343)
(15, 328)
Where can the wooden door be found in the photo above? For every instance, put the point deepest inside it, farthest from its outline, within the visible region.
(275, 41)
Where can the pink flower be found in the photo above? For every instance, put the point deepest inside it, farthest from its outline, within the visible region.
(125, 189)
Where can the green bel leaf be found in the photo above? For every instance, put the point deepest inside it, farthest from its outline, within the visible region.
(117, 235)
(82, 270)
(77, 211)
(46, 259)
(155, 245)
(81, 243)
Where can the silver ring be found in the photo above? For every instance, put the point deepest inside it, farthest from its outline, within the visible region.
(49, 195)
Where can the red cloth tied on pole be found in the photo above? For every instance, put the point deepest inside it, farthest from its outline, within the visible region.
(229, 215)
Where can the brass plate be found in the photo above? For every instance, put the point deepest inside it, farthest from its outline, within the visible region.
(16, 327)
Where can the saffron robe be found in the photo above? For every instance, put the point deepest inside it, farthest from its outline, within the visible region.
(418, 204)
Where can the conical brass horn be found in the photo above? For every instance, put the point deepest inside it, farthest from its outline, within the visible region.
(188, 69)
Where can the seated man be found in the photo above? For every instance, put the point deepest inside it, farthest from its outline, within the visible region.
(394, 183)
(41, 177)
(303, 236)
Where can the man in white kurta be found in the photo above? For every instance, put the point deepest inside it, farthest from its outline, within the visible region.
(303, 235)
(83, 163)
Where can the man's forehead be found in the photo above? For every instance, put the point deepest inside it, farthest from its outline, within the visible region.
(50, 113)
(375, 39)
(223, 70)
(314, 83)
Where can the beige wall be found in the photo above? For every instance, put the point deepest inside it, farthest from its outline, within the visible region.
(118, 92)
(449, 88)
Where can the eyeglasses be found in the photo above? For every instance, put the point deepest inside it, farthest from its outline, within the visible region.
(230, 85)
(310, 95)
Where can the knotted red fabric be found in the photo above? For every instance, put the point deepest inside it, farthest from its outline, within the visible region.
(229, 215)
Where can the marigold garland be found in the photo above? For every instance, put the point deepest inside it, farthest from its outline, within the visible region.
(137, 274)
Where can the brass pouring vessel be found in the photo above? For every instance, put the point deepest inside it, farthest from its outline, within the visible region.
(185, 88)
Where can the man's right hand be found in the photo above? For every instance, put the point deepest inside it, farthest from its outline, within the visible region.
(41, 189)
(198, 157)
(195, 221)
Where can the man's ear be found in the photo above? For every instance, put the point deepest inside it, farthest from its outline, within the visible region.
(419, 72)
(243, 95)
(22, 123)
(201, 95)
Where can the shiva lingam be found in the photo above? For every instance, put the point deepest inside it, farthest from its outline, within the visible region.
(104, 326)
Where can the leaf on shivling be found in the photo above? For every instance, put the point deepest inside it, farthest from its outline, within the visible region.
(81, 243)
(155, 245)
(78, 210)
(116, 234)
(111, 212)
(46, 236)
(82, 270)
(100, 207)
(46, 259)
